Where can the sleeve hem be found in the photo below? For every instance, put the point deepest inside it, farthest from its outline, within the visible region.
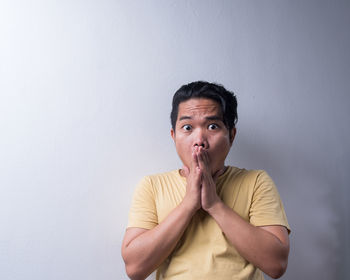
(273, 224)
(143, 225)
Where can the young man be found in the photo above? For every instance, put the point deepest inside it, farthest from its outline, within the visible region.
(206, 220)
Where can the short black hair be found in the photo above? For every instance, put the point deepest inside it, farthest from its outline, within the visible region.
(201, 89)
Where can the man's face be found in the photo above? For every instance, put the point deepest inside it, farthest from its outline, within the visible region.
(200, 122)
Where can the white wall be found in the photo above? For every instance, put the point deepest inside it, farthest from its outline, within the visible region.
(85, 94)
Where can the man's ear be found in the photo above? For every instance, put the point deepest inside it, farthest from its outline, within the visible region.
(233, 135)
(172, 132)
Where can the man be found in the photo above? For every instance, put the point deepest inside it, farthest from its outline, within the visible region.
(206, 220)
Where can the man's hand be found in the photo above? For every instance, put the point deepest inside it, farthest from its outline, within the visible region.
(209, 196)
(193, 188)
(201, 184)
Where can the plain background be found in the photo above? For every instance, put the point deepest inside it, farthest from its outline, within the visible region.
(85, 94)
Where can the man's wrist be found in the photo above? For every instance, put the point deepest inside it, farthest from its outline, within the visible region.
(189, 207)
(216, 208)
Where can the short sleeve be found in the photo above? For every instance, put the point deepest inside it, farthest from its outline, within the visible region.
(267, 208)
(143, 212)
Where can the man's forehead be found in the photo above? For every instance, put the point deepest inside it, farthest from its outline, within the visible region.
(199, 106)
(209, 118)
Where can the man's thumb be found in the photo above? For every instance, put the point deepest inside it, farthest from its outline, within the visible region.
(186, 171)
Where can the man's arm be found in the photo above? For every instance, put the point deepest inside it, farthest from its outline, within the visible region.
(265, 247)
(144, 250)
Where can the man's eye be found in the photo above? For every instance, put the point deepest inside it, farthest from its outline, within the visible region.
(187, 127)
(213, 126)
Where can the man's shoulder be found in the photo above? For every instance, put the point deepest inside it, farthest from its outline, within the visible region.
(242, 172)
(249, 178)
(164, 178)
(161, 184)
(168, 174)
(246, 178)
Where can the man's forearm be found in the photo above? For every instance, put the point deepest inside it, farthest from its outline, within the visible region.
(145, 252)
(260, 247)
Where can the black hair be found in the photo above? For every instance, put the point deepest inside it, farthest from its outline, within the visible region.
(201, 89)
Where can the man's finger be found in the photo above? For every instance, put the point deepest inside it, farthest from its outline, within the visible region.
(198, 175)
(203, 159)
(194, 161)
(206, 158)
(200, 160)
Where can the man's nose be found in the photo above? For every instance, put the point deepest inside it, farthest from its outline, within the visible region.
(201, 140)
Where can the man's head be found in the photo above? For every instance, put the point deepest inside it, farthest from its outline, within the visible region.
(226, 99)
(204, 114)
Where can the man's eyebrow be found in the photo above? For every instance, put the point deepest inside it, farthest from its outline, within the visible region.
(185, 118)
(214, 118)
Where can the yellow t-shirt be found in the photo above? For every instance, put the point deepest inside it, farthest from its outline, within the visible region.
(203, 251)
